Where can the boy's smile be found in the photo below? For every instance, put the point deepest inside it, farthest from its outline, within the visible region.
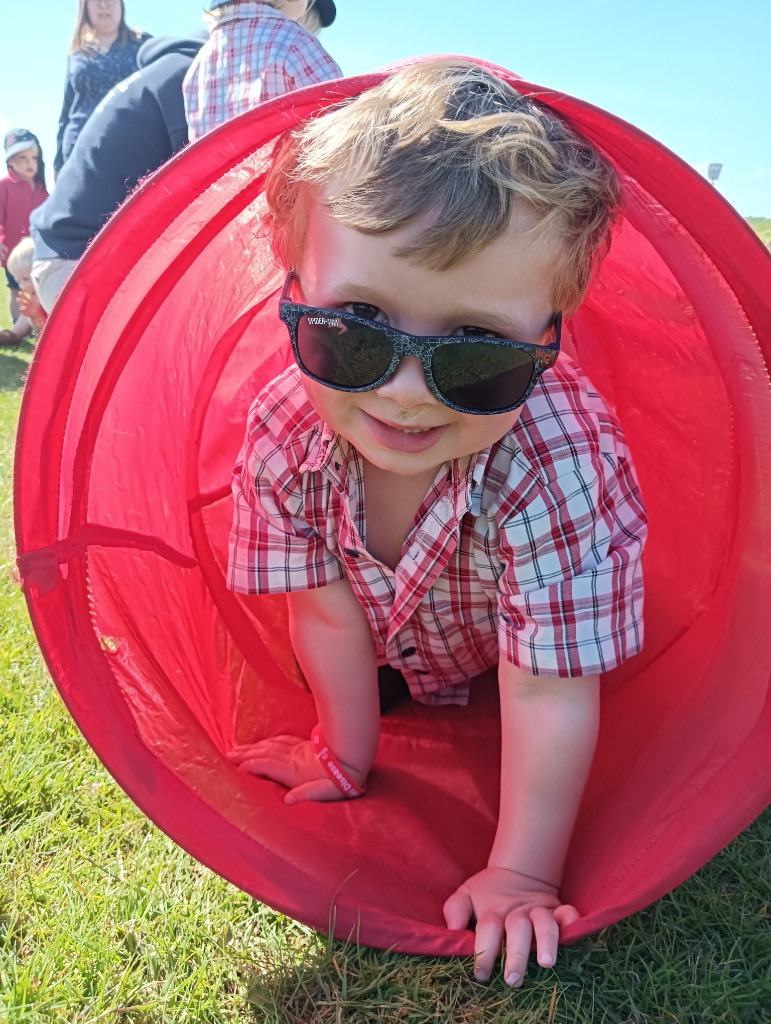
(401, 427)
(412, 440)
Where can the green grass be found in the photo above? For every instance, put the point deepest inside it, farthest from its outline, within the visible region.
(763, 227)
(103, 919)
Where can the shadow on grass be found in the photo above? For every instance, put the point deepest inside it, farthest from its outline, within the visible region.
(698, 955)
(14, 364)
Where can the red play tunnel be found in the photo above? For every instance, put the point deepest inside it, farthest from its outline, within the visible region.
(133, 415)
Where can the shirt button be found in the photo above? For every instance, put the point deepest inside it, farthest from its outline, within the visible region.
(408, 652)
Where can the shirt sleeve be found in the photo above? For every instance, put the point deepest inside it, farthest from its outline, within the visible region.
(310, 63)
(275, 546)
(570, 596)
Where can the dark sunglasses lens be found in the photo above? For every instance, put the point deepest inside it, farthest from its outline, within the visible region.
(342, 352)
(481, 376)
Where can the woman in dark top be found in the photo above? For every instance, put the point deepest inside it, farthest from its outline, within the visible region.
(102, 53)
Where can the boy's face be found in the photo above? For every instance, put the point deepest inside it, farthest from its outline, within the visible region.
(25, 163)
(401, 426)
(25, 282)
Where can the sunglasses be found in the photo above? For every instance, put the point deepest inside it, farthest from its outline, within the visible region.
(477, 375)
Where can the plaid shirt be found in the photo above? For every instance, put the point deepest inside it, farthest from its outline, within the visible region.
(254, 54)
(531, 551)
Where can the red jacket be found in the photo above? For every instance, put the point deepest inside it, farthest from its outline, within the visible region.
(17, 201)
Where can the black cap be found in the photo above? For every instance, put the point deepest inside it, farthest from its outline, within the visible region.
(326, 9)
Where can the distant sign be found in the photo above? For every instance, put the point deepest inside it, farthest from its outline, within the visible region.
(713, 172)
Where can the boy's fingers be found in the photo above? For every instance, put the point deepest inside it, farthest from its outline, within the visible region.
(519, 937)
(547, 933)
(267, 768)
(279, 746)
(565, 914)
(487, 945)
(458, 909)
(319, 789)
(283, 740)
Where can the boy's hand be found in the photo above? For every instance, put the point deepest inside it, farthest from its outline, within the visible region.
(292, 762)
(509, 908)
(29, 305)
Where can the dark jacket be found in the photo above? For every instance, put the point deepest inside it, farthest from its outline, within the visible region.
(136, 128)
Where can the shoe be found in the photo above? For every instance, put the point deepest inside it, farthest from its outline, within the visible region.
(8, 338)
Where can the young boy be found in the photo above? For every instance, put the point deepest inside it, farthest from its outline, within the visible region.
(32, 317)
(21, 192)
(433, 490)
(257, 50)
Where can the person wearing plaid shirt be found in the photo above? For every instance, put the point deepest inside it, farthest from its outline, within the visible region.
(432, 485)
(530, 550)
(256, 51)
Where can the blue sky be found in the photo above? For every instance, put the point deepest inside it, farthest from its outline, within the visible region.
(696, 76)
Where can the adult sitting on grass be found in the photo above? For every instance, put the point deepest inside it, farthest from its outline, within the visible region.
(138, 126)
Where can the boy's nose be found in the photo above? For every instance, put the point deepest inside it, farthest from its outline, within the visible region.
(408, 386)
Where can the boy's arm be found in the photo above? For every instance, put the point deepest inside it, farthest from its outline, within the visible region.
(548, 736)
(333, 644)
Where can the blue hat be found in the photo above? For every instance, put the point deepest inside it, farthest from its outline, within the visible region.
(326, 9)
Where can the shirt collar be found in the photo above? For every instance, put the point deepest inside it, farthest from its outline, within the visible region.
(468, 482)
(330, 454)
(250, 10)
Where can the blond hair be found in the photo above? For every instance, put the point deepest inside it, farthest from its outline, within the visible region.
(19, 261)
(450, 140)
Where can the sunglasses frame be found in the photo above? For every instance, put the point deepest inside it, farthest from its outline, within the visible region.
(417, 346)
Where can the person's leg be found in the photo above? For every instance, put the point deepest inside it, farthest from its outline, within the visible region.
(13, 336)
(13, 292)
(21, 329)
(49, 277)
